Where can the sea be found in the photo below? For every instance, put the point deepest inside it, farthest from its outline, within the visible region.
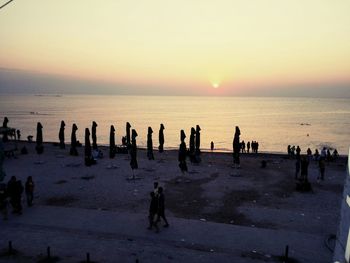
(273, 122)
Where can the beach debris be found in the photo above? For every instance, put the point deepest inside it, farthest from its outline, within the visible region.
(87, 177)
(211, 250)
(203, 220)
(232, 222)
(182, 239)
(73, 164)
(39, 162)
(302, 214)
(112, 166)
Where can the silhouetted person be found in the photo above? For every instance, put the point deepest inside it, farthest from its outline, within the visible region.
(112, 142)
(61, 135)
(18, 134)
(150, 144)
(93, 135)
(39, 139)
(3, 201)
(304, 167)
(297, 151)
(322, 168)
(133, 151)
(192, 145)
(153, 209)
(11, 189)
(243, 146)
(161, 138)
(289, 150)
(128, 127)
(182, 152)
(198, 140)
(18, 190)
(29, 189)
(236, 148)
(212, 146)
(73, 145)
(161, 207)
(335, 154)
(248, 146)
(4, 124)
(89, 160)
(329, 156)
(316, 155)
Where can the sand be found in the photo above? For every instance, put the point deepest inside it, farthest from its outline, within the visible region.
(255, 210)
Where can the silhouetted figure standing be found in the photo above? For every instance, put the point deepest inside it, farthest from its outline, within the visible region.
(112, 142)
(161, 138)
(304, 167)
(18, 190)
(89, 160)
(73, 145)
(18, 134)
(243, 146)
(192, 145)
(212, 146)
(248, 146)
(4, 124)
(39, 139)
(93, 135)
(297, 151)
(29, 189)
(236, 148)
(161, 207)
(3, 201)
(133, 151)
(182, 153)
(150, 144)
(11, 189)
(128, 127)
(153, 209)
(61, 135)
(198, 140)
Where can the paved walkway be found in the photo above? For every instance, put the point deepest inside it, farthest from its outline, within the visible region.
(122, 237)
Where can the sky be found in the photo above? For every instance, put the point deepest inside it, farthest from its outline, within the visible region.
(162, 47)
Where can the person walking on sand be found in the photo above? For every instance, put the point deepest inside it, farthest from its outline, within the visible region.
(3, 201)
(153, 208)
(29, 188)
(161, 207)
(18, 190)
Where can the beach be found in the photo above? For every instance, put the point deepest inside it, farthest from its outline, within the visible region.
(215, 212)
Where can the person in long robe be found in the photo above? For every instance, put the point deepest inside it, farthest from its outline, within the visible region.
(5, 135)
(61, 135)
(93, 134)
(73, 145)
(150, 144)
(112, 143)
(198, 140)
(236, 148)
(133, 151)
(192, 145)
(182, 152)
(39, 139)
(161, 138)
(89, 160)
(128, 127)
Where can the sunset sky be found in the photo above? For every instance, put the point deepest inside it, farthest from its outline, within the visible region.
(199, 47)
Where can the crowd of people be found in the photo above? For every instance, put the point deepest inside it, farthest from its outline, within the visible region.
(11, 195)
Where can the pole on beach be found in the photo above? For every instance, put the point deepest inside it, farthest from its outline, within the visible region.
(285, 259)
(87, 257)
(48, 252)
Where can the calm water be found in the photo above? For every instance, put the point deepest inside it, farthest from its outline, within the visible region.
(274, 122)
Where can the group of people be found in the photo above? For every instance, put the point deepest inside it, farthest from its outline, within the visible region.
(254, 145)
(157, 208)
(11, 193)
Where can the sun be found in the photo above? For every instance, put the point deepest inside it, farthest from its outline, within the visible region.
(215, 85)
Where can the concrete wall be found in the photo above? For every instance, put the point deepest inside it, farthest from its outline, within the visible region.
(342, 247)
